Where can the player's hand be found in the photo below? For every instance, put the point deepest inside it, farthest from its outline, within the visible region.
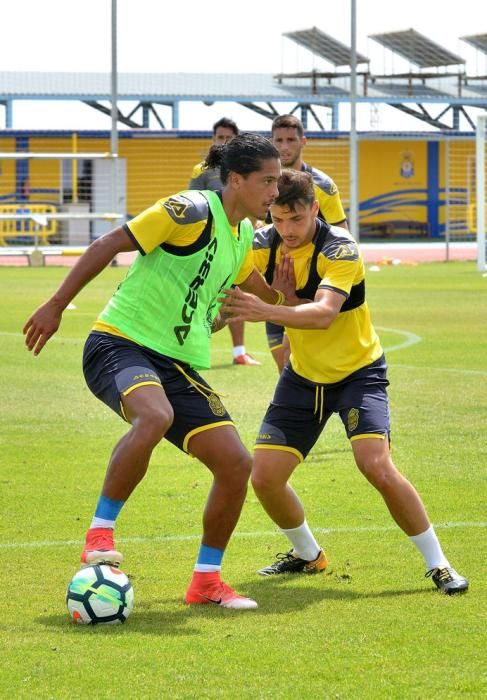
(241, 306)
(43, 323)
(284, 279)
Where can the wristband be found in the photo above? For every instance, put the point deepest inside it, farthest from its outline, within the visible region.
(281, 297)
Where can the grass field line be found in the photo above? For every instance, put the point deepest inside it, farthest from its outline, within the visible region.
(409, 339)
(41, 544)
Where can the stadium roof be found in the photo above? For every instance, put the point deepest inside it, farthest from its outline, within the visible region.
(325, 46)
(478, 41)
(169, 88)
(259, 92)
(417, 49)
(144, 86)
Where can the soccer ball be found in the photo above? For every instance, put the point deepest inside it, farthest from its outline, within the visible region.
(99, 594)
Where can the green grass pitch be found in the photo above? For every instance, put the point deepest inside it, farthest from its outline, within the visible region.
(371, 627)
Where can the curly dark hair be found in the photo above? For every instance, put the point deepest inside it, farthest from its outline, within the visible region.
(295, 186)
(243, 155)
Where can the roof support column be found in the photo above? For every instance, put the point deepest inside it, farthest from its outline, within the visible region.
(334, 116)
(145, 115)
(456, 118)
(175, 115)
(8, 104)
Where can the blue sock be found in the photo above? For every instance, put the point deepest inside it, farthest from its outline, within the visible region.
(106, 512)
(209, 559)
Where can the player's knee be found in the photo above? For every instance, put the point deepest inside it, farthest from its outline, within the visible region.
(234, 472)
(152, 426)
(263, 481)
(379, 471)
(243, 467)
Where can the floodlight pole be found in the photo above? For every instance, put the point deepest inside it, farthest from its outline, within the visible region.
(114, 110)
(353, 220)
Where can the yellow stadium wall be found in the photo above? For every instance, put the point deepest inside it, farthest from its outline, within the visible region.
(400, 180)
(7, 169)
(393, 177)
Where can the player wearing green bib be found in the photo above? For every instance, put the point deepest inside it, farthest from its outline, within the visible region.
(145, 347)
(187, 300)
(203, 178)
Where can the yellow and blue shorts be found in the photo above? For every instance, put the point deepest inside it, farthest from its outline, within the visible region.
(275, 335)
(301, 408)
(115, 366)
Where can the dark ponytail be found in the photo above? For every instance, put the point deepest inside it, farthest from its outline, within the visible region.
(214, 157)
(243, 155)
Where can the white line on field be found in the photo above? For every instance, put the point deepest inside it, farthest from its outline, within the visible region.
(267, 533)
(410, 338)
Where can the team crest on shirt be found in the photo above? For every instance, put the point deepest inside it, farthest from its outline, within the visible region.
(352, 419)
(345, 251)
(176, 207)
(216, 405)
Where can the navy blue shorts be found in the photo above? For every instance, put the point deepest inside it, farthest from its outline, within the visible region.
(275, 335)
(114, 367)
(300, 409)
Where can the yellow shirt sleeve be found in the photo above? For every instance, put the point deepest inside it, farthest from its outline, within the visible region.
(155, 225)
(197, 170)
(339, 274)
(246, 268)
(261, 259)
(330, 205)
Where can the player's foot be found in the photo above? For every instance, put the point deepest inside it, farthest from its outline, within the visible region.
(289, 564)
(219, 594)
(245, 359)
(448, 580)
(100, 548)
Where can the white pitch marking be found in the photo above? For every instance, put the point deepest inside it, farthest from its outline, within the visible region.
(271, 533)
(410, 339)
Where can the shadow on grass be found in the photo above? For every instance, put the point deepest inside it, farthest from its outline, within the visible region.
(278, 594)
(146, 619)
(223, 365)
(275, 595)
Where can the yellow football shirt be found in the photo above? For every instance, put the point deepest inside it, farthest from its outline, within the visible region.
(350, 343)
(327, 194)
(178, 220)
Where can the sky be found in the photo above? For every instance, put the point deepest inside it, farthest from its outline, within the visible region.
(199, 37)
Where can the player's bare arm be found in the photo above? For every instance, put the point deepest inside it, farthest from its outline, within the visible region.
(319, 314)
(219, 322)
(45, 321)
